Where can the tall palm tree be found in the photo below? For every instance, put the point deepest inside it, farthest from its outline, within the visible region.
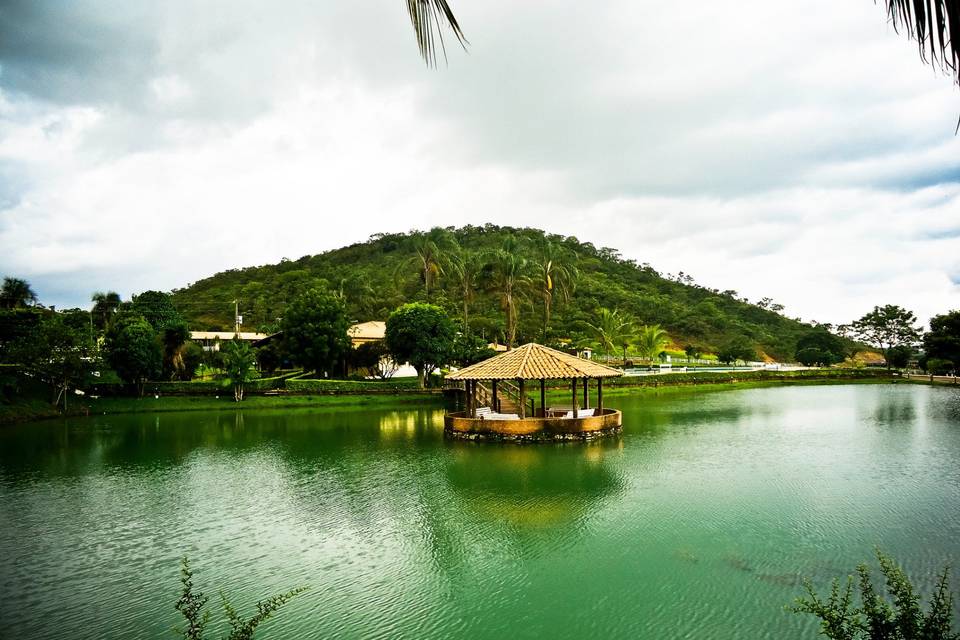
(556, 277)
(651, 341)
(466, 268)
(104, 306)
(610, 329)
(16, 293)
(508, 275)
(429, 251)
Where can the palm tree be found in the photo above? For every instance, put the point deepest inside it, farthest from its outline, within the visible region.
(610, 330)
(429, 252)
(466, 268)
(104, 306)
(508, 275)
(16, 294)
(556, 277)
(239, 365)
(651, 341)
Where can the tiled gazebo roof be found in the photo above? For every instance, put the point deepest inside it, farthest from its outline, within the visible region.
(533, 362)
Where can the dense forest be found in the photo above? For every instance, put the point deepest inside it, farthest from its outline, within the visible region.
(503, 280)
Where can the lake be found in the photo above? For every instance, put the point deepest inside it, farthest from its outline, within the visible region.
(699, 521)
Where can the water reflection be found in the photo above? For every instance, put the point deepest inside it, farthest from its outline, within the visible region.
(531, 487)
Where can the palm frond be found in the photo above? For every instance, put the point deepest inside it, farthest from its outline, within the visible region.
(935, 26)
(427, 18)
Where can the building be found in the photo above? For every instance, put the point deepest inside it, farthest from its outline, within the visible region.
(367, 332)
(210, 340)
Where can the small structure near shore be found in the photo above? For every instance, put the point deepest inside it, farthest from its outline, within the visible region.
(491, 413)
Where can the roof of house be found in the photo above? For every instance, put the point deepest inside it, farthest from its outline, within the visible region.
(225, 335)
(534, 362)
(372, 330)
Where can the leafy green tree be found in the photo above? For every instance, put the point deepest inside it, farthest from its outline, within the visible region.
(507, 274)
(104, 306)
(899, 356)
(186, 359)
(15, 327)
(315, 330)
(651, 341)
(156, 308)
(887, 327)
(421, 334)
(938, 366)
(239, 366)
(58, 352)
(820, 348)
(132, 349)
(693, 352)
(556, 277)
(16, 294)
(740, 348)
(269, 357)
(942, 342)
(191, 606)
(876, 618)
(469, 349)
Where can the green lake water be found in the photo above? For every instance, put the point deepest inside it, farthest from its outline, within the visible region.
(698, 522)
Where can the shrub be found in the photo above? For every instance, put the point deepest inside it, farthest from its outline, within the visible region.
(938, 366)
(191, 606)
(876, 618)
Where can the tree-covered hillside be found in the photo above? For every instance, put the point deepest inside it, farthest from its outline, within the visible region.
(505, 280)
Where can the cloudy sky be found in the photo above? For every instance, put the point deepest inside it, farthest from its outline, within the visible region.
(799, 151)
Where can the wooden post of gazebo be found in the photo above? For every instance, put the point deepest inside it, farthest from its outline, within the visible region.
(543, 398)
(600, 395)
(523, 400)
(574, 381)
(586, 393)
(494, 401)
(471, 400)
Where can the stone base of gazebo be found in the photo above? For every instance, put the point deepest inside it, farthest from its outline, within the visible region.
(604, 422)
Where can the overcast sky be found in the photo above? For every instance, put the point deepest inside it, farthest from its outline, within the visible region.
(799, 151)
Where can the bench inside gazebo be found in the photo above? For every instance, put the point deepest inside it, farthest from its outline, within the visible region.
(489, 410)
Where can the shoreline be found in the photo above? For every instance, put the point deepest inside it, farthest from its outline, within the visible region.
(35, 409)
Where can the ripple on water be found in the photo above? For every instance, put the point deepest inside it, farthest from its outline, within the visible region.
(700, 521)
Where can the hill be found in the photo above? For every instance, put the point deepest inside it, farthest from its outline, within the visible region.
(376, 276)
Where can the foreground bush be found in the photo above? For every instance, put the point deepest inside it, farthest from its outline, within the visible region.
(877, 618)
(191, 606)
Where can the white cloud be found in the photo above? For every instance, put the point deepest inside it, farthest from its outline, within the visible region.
(760, 148)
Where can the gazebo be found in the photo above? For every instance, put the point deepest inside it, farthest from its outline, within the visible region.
(490, 412)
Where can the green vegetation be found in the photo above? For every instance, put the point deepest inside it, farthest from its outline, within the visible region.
(132, 349)
(191, 606)
(821, 348)
(887, 328)
(16, 294)
(738, 349)
(240, 366)
(496, 279)
(315, 328)
(422, 335)
(896, 615)
(941, 344)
